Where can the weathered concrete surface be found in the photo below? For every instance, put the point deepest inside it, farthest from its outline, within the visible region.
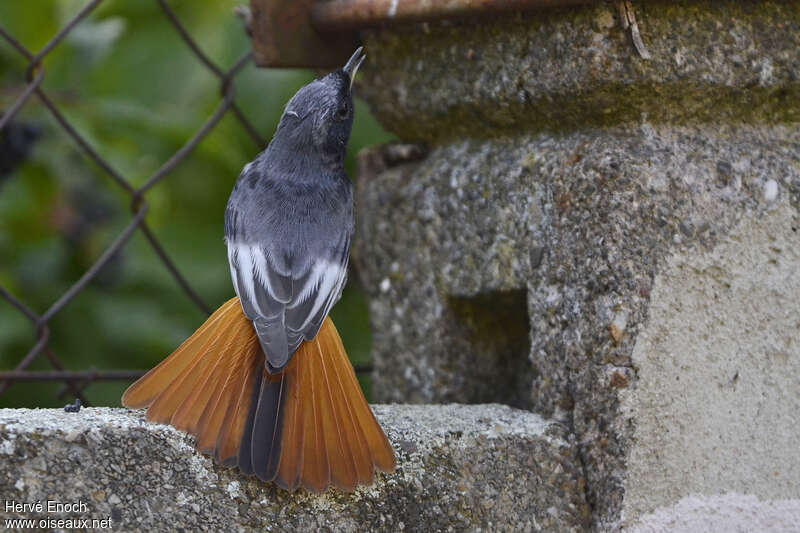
(460, 468)
(576, 68)
(718, 394)
(722, 514)
(576, 227)
(515, 261)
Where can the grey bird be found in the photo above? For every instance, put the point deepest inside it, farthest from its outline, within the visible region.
(289, 220)
(265, 384)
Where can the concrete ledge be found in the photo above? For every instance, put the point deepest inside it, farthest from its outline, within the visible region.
(574, 69)
(722, 514)
(481, 467)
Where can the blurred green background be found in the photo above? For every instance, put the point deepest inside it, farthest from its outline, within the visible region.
(133, 88)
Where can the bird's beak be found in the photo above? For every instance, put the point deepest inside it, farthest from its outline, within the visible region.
(353, 63)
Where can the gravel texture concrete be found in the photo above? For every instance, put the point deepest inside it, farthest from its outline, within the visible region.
(486, 467)
(716, 402)
(520, 270)
(512, 248)
(722, 514)
(576, 68)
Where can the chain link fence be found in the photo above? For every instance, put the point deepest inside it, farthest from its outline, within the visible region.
(76, 381)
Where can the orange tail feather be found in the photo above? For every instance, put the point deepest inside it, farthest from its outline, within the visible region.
(309, 425)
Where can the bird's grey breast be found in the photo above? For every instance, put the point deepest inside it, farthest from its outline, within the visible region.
(290, 215)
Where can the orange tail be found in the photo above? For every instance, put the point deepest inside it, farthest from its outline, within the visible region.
(309, 425)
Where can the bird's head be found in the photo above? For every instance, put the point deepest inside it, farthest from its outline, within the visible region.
(319, 116)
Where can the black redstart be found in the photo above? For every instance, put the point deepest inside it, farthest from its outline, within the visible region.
(265, 383)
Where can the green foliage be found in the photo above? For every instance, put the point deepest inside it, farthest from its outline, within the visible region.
(136, 92)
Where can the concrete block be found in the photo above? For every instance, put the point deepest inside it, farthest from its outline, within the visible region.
(605, 240)
(483, 467)
(718, 363)
(576, 68)
(530, 271)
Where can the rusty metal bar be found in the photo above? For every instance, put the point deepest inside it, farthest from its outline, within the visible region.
(322, 33)
(284, 37)
(340, 15)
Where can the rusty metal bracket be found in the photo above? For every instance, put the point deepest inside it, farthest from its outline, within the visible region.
(284, 37)
(322, 33)
(352, 14)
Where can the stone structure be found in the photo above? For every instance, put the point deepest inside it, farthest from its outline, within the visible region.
(610, 242)
(460, 468)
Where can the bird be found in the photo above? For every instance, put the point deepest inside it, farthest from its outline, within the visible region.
(265, 383)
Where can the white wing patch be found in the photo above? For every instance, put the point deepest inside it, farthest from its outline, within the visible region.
(240, 255)
(337, 289)
(234, 277)
(320, 286)
(250, 267)
(260, 267)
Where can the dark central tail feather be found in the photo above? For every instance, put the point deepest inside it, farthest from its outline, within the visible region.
(308, 425)
(243, 459)
(263, 431)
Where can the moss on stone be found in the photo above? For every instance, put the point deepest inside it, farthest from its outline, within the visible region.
(560, 70)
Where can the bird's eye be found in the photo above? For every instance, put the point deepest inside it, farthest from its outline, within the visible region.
(342, 112)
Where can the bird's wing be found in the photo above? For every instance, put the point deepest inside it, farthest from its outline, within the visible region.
(315, 294)
(287, 305)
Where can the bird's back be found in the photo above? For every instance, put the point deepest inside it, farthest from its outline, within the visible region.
(288, 233)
